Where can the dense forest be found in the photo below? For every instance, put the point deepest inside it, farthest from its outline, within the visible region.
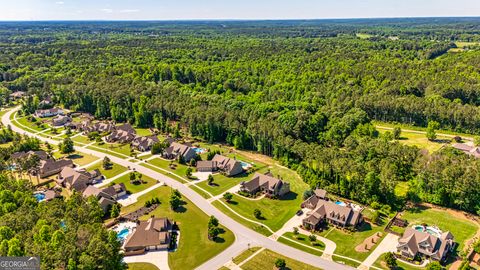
(304, 92)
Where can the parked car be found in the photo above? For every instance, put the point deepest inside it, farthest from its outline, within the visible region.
(299, 212)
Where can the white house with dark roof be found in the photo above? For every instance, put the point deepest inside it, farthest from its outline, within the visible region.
(229, 166)
(49, 112)
(266, 184)
(176, 149)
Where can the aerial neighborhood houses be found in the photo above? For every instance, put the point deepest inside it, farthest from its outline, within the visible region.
(421, 243)
(325, 211)
(99, 127)
(152, 234)
(49, 112)
(266, 184)
(176, 150)
(17, 95)
(61, 120)
(50, 166)
(122, 134)
(226, 165)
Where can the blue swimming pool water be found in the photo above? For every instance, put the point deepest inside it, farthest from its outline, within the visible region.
(199, 150)
(39, 196)
(123, 234)
(340, 203)
(244, 164)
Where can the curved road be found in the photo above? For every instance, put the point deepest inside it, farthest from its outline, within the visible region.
(244, 236)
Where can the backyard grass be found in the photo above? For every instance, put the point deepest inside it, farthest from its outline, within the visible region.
(420, 140)
(401, 189)
(347, 241)
(115, 170)
(194, 247)
(274, 212)
(247, 253)
(134, 188)
(143, 131)
(142, 266)
(461, 228)
(266, 260)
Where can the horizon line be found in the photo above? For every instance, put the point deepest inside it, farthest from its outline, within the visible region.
(242, 19)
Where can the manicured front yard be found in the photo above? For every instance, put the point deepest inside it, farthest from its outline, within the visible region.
(115, 170)
(446, 220)
(275, 212)
(142, 266)
(223, 183)
(81, 139)
(82, 159)
(122, 149)
(194, 247)
(180, 170)
(400, 265)
(134, 188)
(347, 241)
(247, 253)
(23, 121)
(266, 260)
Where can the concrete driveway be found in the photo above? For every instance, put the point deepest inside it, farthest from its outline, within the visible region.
(388, 244)
(157, 258)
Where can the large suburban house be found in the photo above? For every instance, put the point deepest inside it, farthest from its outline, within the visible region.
(176, 149)
(77, 179)
(61, 120)
(152, 234)
(422, 243)
(99, 127)
(42, 155)
(323, 211)
(17, 95)
(49, 112)
(50, 167)
(122, 134)
(266, 184)
(144, 143)
(467, 149)
(104, 199)
(228, 166)
(116, 191)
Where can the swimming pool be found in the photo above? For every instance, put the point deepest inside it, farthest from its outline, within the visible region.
(39, 196)
(244, 164)
(123, 234)
(428, 229)
(340, 203)
(199, 150)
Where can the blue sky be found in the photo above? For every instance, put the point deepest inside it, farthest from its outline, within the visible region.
(239, 9)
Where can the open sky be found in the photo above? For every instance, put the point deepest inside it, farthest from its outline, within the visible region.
(229, 9)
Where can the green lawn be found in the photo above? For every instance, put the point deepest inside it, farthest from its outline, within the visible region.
(400, 265)
(81, 139)
(32, 126)
(303, 239)
(461, 228)
(275, 212)
(363, 35)
(223, 183)
(401, 189)
(123, 149)
(317, 252)
(81, 159)
(164, 164)
(143, 131)
(201, 192)
(347, 241)
(142, 266)
(258, 228)
(181, 180)
(247, 253)
(115, 170)
(194, 247)
(266, 260)
(135, 188)
(345, 261)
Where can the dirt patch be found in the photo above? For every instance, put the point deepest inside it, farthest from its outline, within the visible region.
(369, 243)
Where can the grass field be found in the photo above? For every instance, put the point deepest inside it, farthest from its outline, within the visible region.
(82, 159)
(363, 35)
(379, 124)
(462, 229)
(315, 251)
(247, 253)
(180, 170)
(142, 266)
(420, 140)
(223, 183)
(123, 149)
(115, 170)
(266, 260)
(194, 247)
(81, 139)
(347, 241)
(32, 126)
(275, 212)
(143, 131)
(135, 188)
(181, 180)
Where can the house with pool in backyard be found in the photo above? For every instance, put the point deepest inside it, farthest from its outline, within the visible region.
(424, 242)
(146, 235)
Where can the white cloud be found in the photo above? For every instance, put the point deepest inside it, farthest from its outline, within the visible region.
(129, 10)
(107, 10)
(59, 2)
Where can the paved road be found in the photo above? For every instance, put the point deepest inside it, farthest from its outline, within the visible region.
(243, 235)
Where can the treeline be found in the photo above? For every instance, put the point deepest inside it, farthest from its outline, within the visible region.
(306, 101)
